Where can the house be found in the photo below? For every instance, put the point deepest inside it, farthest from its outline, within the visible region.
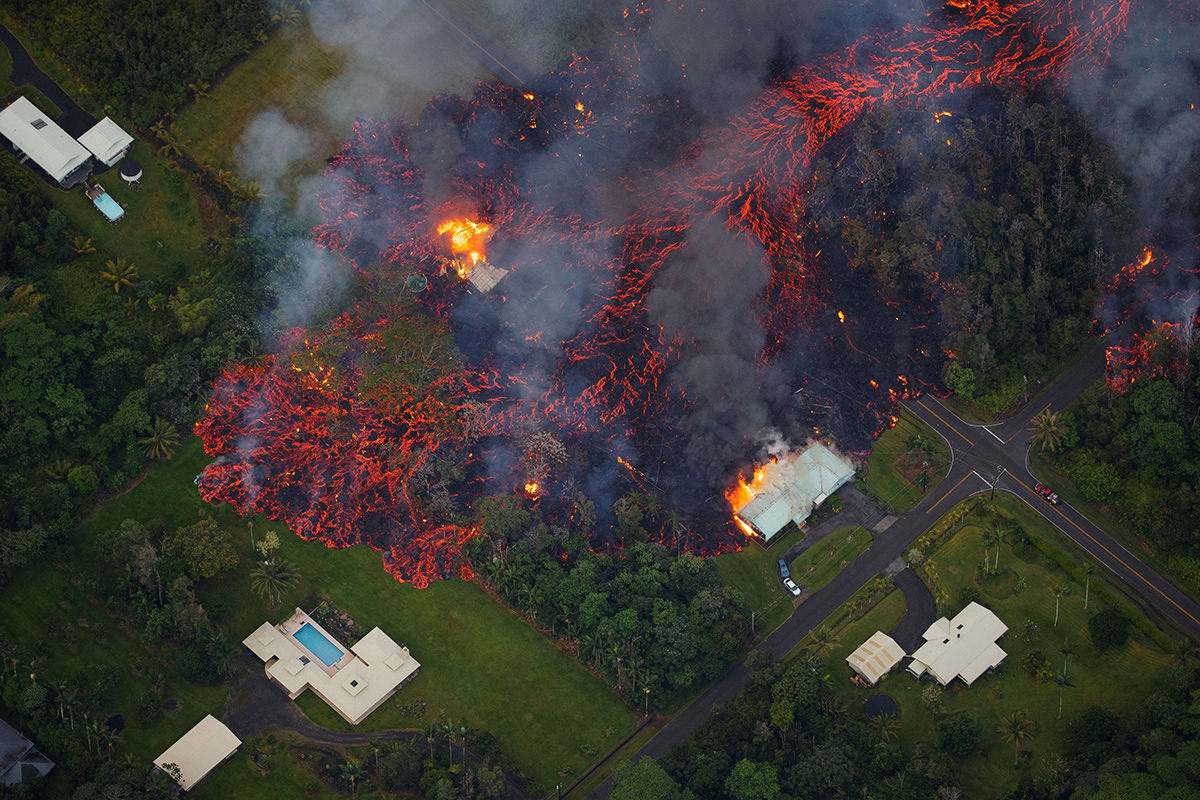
(107, 141)
(20, 761)
(198, 752)
(875, 657)
(37, 137)
(300, 655)
(788, 489)
(964, 647)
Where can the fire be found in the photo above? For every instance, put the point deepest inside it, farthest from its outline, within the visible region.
(744, 492)
(842, 317)
(467, 237)
(531, 490)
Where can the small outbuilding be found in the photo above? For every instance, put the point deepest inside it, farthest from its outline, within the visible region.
(199, 752)
(964, 647)
(875, 657)
(35, 136)
(107, 141)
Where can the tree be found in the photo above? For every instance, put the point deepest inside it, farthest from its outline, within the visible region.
(206, 548)
(1108, 629)
(1059, 591)
(82, 245)
(990, 539)
(270, 579)
(822, 640)
(1066, 650)
(119, 272)
(887, 726)
(958, 735)
(161, 440)
(268, 544)
(1048, 431)
(751, 780)
(1018, 729)
(352, 772)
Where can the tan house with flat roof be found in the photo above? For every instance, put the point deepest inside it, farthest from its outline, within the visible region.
(198, 752)
(359, 682)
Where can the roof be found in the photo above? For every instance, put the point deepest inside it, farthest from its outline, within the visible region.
(199, 751)
(368, 674)
(20, 761)
(107, 141)
(795, 484)
(875, 657)
(36, 135)
(964, 647)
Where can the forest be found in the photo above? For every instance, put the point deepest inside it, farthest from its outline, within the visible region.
(1009, 213)
(144, 58)
(101, 366)
(788, 736)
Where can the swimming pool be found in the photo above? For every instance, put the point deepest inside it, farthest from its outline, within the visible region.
(318, 644)
(110, 208)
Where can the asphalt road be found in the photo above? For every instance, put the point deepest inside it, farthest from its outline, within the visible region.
(73, 119)
(980, 457)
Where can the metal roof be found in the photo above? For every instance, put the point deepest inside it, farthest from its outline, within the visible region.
(36, 135)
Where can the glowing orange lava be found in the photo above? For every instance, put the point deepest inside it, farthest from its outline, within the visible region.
(467, 238)
(531, 490)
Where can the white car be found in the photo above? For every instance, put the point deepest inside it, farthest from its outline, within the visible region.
(791, 586)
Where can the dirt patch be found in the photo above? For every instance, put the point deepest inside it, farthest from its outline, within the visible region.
(912, 464)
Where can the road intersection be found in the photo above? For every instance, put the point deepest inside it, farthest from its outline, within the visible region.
(990, 458)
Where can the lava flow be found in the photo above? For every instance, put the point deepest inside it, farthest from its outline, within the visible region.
(585, 337)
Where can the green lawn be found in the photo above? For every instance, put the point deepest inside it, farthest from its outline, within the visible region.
(288, 72)
(754, 571)
(819, 564)
(1021, 591)
(891, 457)
(480, 663)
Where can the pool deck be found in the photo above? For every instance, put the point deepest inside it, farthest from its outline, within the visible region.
(362, 680)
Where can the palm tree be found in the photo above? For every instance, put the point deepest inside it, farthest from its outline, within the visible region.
(352, 771)
(990, 538)
(1017, 728)
(172, 145)
(199, 88)
(822, 640)
(1059, 591)
(162, 440)
(1066, 650)
(270, 579)
(1088, 569)
(58, 469)
(119, 272)
(887, 726)
(1048, 431)
(82, 245)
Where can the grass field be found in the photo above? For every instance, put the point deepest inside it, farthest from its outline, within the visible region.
(480, 663)
(821, 563)
(1021, 591)
(754, 571)
(891, 457)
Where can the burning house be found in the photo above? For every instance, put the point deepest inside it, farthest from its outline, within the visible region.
(789, 488)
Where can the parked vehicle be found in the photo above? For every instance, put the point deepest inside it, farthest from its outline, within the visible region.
(791, 586)
(1047, 495)
(784, 572)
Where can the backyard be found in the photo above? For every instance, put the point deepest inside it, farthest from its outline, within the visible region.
(1022, 590)
(480, 664)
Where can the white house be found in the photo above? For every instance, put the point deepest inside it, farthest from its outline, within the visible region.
(964, 647)
(792, 486)
(39, 138)
(107, 141)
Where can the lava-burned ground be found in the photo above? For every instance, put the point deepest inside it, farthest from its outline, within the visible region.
(662, 306)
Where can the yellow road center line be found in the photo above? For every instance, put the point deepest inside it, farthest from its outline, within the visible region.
(947, 494)
(1118, 559)
(947, 424)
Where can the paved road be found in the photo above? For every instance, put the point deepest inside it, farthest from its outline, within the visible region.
(73, 119)
(980, 455)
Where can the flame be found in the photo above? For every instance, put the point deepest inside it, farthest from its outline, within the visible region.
(531, 490)
(842, 317)
(467, 238)
(744, 492)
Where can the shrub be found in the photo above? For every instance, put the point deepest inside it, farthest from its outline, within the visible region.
(1108, 629)
(958, 735)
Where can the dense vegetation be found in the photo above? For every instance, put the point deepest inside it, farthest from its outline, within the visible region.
(1009, 215)
(100, 366)
(1136, 452)
(788, 736)
(652, 624)
(144, 58)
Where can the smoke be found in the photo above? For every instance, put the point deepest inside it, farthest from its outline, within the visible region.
(270, 148)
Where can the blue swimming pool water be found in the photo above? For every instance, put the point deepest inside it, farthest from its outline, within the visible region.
(320, 647)
(109, 207)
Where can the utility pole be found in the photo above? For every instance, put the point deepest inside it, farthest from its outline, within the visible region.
(999, 473)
